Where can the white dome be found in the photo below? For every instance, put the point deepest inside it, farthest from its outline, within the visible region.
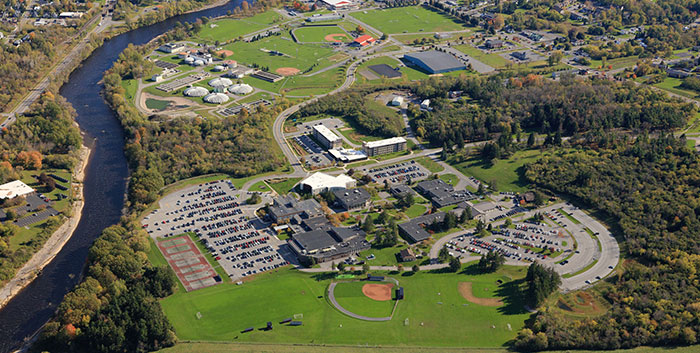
(220, 82)
(198, 62)
(216, 98)
(218, 68)
(189, 59)
(241, 88)
(196, 92)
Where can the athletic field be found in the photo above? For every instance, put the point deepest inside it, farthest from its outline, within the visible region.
(411, 19)
(321, 34)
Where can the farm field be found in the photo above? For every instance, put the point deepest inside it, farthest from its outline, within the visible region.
(432, 299)
(410, 19)
(319, 34)
(504, 171)
(227, 29)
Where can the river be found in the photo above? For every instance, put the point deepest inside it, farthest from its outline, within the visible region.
(104, 185)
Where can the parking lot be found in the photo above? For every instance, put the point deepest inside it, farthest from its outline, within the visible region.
(317, 157)
(398, 173)
(241, 243)
(305, 128)
(526, 243)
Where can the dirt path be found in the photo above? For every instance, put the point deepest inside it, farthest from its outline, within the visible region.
(55, 243)
(465, 289)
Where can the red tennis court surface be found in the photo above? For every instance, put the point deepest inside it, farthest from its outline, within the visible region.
(189, 264)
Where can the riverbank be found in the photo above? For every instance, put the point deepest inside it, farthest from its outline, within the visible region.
(55, 243)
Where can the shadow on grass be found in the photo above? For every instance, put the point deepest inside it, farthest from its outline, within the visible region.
(323, 276)
(513, 298)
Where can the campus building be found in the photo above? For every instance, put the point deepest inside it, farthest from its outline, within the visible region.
(322, 245)
(414, 230)
(363, 40)
(172, 48)
(443, 194)
(352, 199)
(321, 182)
(480, 210)
(13, 189)
(326, 137)
(338, 4)
(284, 208)
(375, 148)
(434, 62)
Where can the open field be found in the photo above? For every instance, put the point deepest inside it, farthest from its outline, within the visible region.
(493, 60)
(318, 34)
(433, 313)
(349, 295)
(430, 164)
(617, 63)
(283, 186)
(227, 29)
(300, 56)
(408, 20)
(673, 85)
(506, 172)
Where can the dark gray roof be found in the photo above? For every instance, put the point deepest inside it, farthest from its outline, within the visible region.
(314, 240)
(401, 190)
(443, 194)
(320, 222)
(414, 230)
(352, 196)
(287, 206)
(436, 60)
(343, 234)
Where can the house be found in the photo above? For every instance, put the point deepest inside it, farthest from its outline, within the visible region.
(406, 255)
(351, 199)
(425, 104)
(363, 40)
(284, 208)
(494, 43)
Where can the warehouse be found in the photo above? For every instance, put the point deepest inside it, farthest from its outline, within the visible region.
(13, 189)
(326, 137)
(434, 62)
(321, 182)
(375, 148)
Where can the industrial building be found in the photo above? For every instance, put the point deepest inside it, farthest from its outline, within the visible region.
(326, 245)
(352, 199)
(172, 48)
(321, 18)
(338, 4)
(414, 230)
(13, 189)
(321, 182)
(375, 148)
(326, 137)
(284, 208)
(434, 62)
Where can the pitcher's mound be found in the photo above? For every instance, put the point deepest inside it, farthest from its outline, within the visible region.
(287, 71)
(224, 52)
(380, 292)
(465, 289)
(333, 37)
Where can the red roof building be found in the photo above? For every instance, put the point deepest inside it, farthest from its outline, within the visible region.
(364, 40)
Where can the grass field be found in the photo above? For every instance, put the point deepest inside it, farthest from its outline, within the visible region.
(450, 179)
(317, 34)
(430, 164)
(493, 60)
(349, 295)
(227, 29)
(408, 20)
(415, 210)
(283, 186)
(673, 85)
(156, 104)
(506, 172)
(259, 187)
(225, 347)
(300, 56)
(433, 313)
(617, 63)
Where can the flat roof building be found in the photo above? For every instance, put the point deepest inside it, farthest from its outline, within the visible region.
(326, 137)
(346, 155)
(401, 190)
(493, 43)
(375, 148)
(171, 48)
(351, 199)
(414, 230)
(284, 208)
(13, 189)
(443, 194)
(337, 4)
(481, 209)
(321, 182)
(323, 245)
(435, 62)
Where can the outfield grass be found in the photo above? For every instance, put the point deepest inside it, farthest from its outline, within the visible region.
(408, 20)
(226, 309)
(317, 34)
(300, 56)
(349, 295)
(506, 172)
(227, 29)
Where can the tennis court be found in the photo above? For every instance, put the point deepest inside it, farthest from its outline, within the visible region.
(189, 264)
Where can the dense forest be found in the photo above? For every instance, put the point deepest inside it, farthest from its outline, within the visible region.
(650, 186)
(162, 151)
(568, 106)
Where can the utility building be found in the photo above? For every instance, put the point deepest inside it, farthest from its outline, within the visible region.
(435, 62)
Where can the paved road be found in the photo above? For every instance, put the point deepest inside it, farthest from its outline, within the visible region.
(331, 297)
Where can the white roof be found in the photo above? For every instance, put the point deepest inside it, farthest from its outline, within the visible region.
(397, 99)
(321, 180)
(385, 142)
(347, 155)
(196, 92)
(326, 133)
(216, 98)
(13, 189)
(220, 82)
(241, 88)
(218, 68)
(338, 3)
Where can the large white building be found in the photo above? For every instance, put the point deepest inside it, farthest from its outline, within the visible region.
(338, 4)
(321, 182)
(326, 137)
(13, 189)
(394, 144)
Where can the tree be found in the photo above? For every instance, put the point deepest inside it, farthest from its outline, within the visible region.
(465, 216)
(444, 255)
(399, 268)
(254, 199)
(498, 21)
(368, 225)
(365, 267)
(555, 58)
(341, 266)
(491, 261)
(455, 265)
(531, 140)
(415, 268)
(541, 282)
(383, 217)
(359, 29)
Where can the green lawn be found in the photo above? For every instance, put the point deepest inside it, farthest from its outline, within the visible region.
(569, 217)
(433, 313)
(300, 56)
(415, 210)
(349, 295)
(156, 104)
(227, 29)
(431, 165)
(617, 63)
(450, 179)
(260, 187)
(493, 60)
(386, 256)
(317, 34)
(408, 20)
(284, 186)
(506, 172)
(673, 85)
